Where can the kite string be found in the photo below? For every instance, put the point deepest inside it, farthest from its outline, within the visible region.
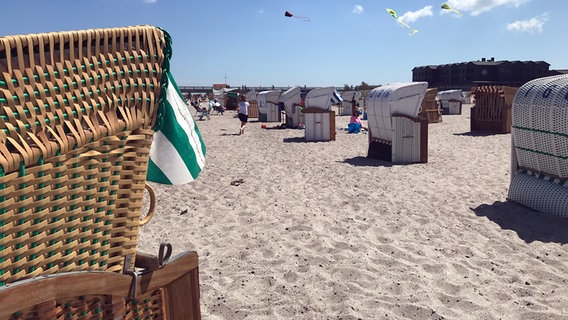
(409, 27)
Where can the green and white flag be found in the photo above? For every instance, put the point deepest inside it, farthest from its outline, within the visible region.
(177, 154)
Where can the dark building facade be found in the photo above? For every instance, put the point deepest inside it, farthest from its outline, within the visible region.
(465, 75)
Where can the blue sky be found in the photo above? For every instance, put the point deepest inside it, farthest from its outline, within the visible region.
(251, 42)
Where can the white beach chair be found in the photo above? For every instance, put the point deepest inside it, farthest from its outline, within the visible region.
(396, 133)
(291, 99)
(268, 106)
(348, 96)
(319, 118)
(539, 157)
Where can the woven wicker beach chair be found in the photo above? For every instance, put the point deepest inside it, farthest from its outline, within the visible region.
(77, 111)
(539, 155)
(492, 110)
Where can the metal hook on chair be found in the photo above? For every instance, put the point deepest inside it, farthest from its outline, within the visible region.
(164, 253)
(134, 286)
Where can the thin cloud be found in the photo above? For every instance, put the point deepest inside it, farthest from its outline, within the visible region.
(150, 1)
(357, 9)
(261, 11)
(533, 25)
(412, 16)
(477, 7)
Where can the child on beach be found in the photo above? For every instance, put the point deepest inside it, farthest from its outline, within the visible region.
(355, 125)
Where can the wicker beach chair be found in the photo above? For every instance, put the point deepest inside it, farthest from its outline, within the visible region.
(77, 111)
(492, 110)
(539, 155)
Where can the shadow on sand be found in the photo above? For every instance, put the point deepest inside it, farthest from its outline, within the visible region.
(528, 224)
(478, 134)
(362, 161)
(295, 139)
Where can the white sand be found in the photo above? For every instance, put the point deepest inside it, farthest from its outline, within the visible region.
(318, 231)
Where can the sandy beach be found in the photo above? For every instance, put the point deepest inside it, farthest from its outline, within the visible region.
(287, 229)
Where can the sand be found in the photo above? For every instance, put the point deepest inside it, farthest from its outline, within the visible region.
(287, 229)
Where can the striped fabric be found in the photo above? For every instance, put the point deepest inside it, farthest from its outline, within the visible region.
(177, 154)
(336, 97)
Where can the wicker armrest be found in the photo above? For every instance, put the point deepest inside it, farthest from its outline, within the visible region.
(171, 292)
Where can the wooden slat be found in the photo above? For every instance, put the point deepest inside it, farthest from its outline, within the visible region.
(174, 269)
(26, 293)
(179, 281)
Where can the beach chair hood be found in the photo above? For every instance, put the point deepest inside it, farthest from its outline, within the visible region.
(322, 98)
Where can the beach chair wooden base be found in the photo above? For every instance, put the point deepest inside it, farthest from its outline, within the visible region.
(169, 292)
(380, 150)
(539, 192)
(320, 124)
(409, 145)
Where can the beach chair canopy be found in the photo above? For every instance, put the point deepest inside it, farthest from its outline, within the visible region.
(539, 159)
(77, 118)
(321, 98)
(266, 97)
(385, 101)
(540, 127)
(251, 95)
(220, 94)
(80, 112)
(348, 96)
(451, 95)
(290, 97)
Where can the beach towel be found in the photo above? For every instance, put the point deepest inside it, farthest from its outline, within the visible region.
(354, 127)
(177, 153)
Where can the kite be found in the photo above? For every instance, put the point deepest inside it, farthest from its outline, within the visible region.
(290, 15)
(394, 15)
(447, 7)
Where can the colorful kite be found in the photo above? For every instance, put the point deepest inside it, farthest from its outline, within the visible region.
(394, 15)
(290, 15)
(447, 7)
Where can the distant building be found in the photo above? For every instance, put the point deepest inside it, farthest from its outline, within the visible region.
(465, 75)
(219, 86)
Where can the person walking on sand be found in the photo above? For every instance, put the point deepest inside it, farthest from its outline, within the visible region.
(243, 113)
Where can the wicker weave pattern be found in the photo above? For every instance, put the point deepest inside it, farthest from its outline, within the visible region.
(540, 142)
(76, 113)
(540, 133)
(100, 307)
(492, 110)
(539, 192)
(429, 108)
